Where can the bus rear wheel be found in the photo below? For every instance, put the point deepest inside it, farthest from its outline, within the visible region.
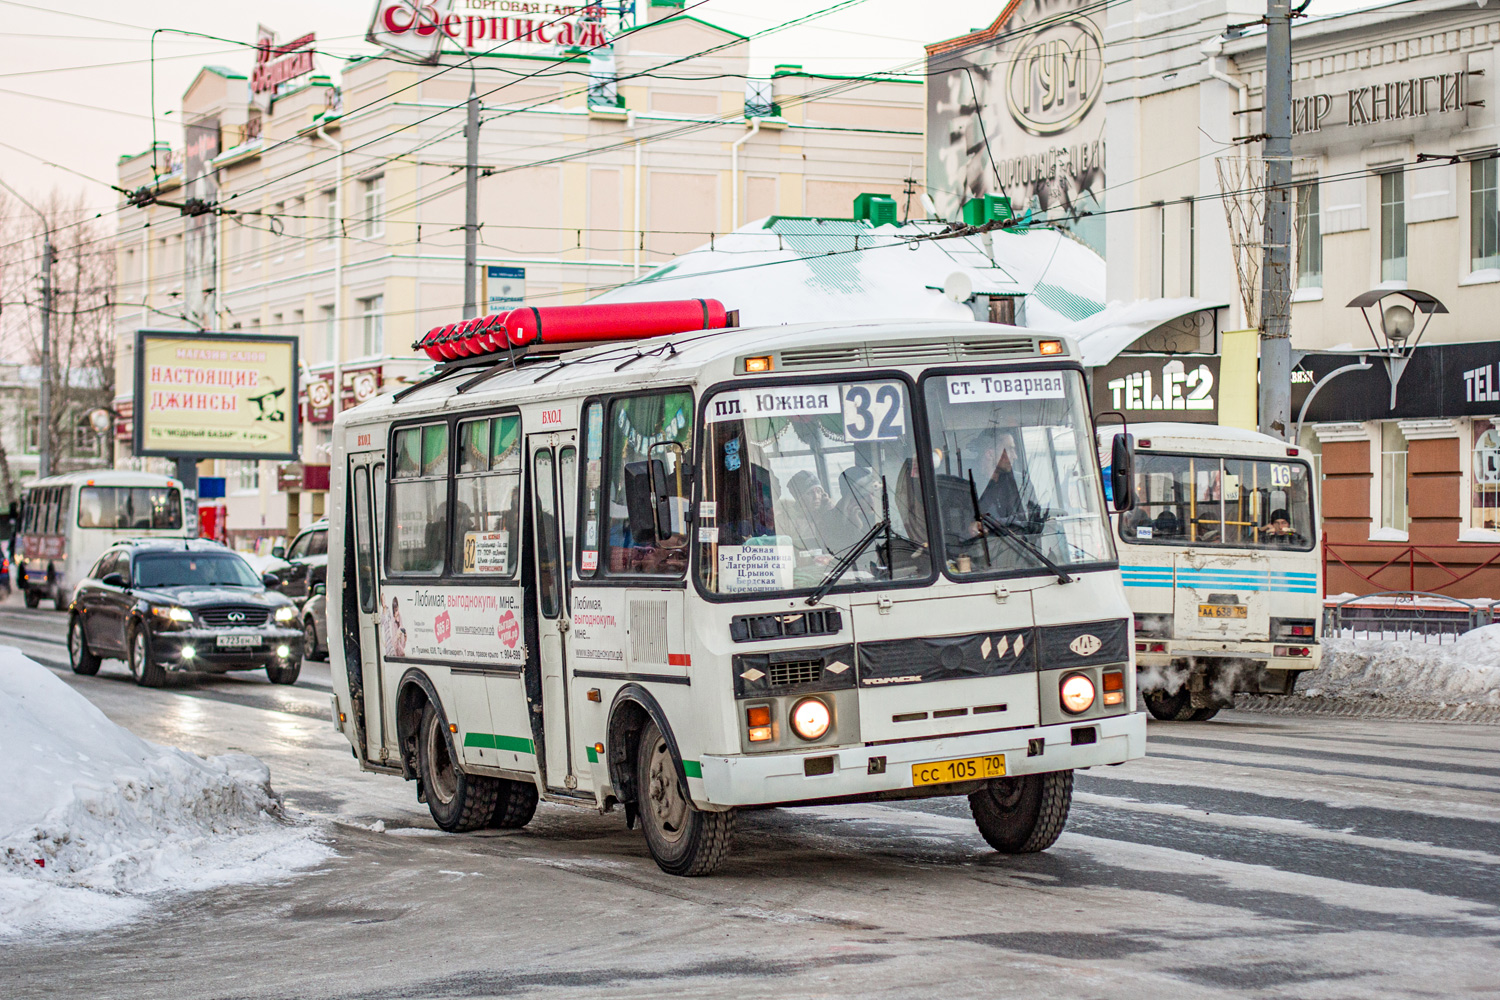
(1024, 814)
(682, 839)
(33, 598)
(458, 802)
(1174, 706)
(514, 806)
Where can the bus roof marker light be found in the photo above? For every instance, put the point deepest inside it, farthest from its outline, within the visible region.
(759, 365)
(1049, 347)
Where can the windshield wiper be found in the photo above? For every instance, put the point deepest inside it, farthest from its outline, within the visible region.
(838, 569)
(997, 527)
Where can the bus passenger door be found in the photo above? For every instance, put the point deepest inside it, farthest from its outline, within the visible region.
(553, 620)
(366, 476)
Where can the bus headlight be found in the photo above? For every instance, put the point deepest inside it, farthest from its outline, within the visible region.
(1077, 693)
(811, 718)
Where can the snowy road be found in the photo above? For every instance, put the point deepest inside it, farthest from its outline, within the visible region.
(1248, 856)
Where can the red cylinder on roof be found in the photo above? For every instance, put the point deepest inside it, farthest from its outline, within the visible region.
(612, 321)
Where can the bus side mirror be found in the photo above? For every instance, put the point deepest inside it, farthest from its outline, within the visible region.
(1122, 472)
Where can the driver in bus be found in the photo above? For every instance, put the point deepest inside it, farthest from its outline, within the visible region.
(1280, 530)
(1001, 496)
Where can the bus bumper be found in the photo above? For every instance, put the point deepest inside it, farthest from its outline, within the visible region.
(782, 778)
(1261, 653)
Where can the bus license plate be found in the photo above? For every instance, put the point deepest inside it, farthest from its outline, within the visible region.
(1222, 611)
(238, 641)
(967, 769)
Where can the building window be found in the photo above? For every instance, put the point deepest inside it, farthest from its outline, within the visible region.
(1393, 510)
(33, 433)
(1484, 221)
(85, 439)
(296, 224)
(330, 214)
(330, 332)
(374, 326)
(247, 475)
(1484, 505)
(1309, 237)
(1393, 226)
(374, 215)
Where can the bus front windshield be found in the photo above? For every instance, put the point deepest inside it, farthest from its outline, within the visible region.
(801, 479)
(1016, 475)
(1227, 502)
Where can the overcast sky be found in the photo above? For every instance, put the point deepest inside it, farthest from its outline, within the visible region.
(75, 87)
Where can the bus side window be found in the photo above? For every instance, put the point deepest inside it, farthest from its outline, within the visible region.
(364, 541)
(593, 476)
(648, 434)
(567, 471)
(487, 511)
(419, 494)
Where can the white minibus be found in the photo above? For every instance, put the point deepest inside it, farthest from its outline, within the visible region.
(67, 521)
(1221, 561)
(729, 568)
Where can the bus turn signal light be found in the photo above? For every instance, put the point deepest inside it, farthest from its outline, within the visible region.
(1114, 687)
(758, 719)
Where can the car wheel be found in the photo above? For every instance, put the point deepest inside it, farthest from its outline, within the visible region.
(459, 802)
(682, 839)
(82, 659)
(310, 641)
(147, 672)
(286, 673)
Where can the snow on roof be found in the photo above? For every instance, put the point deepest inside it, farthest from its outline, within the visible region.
(797, 270)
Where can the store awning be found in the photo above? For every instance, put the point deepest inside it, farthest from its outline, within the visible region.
(1104, 335)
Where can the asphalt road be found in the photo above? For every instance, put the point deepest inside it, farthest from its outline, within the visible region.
(1250, 856)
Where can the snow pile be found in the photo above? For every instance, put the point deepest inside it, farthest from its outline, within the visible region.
(1466, 672)
(92, 818)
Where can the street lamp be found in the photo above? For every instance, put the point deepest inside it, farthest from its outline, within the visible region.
(44, 421)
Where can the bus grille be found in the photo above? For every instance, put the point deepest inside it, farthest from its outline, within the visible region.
(227, 615)
(796, 672)
(821, 357)
(993, 347)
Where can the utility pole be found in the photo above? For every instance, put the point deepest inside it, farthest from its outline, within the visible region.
(44, 424)
(1276, 268)
(471, 209)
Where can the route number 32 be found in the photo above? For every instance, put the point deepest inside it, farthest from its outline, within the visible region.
(873, 412)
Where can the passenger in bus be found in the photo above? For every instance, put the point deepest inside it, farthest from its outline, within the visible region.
(815, 522)
(1166, 525)
(1280, 530)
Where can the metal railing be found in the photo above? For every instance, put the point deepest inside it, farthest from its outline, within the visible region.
(1405, 614)
(1410, 558)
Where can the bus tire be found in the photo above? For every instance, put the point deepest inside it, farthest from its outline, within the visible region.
(146, 671)
(1024, 814)
(1204, 714)
(1176, 706)
(514, 806)
(683, 840)
(33, 597)
(82, 659)
(61, 603)
(458, 802)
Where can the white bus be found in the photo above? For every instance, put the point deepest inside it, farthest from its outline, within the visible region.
(1220, 556)
(67, 522)
(732, 568)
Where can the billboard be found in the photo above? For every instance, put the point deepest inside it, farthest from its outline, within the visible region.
(215, 395)
(1015, 109)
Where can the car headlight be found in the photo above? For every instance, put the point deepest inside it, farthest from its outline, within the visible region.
(174, 614)
(286, 614)
(1077, 693)
(811, 718)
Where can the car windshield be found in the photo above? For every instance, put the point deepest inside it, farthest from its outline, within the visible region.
(800, 478)
(1015, 472)
(1219, 501)
(194, 569)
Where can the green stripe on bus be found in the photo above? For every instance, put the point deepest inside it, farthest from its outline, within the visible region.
(491, 741)
(692, 769)
(593, 754)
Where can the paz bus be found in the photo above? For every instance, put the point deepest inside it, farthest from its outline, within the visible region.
(1220, 556)
(636, 556)
(67, 522)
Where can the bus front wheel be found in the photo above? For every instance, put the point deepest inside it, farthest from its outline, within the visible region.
(682, 839)
(458, 802)
(1024, 814)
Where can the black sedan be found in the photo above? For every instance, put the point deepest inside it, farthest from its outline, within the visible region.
(180, 605)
